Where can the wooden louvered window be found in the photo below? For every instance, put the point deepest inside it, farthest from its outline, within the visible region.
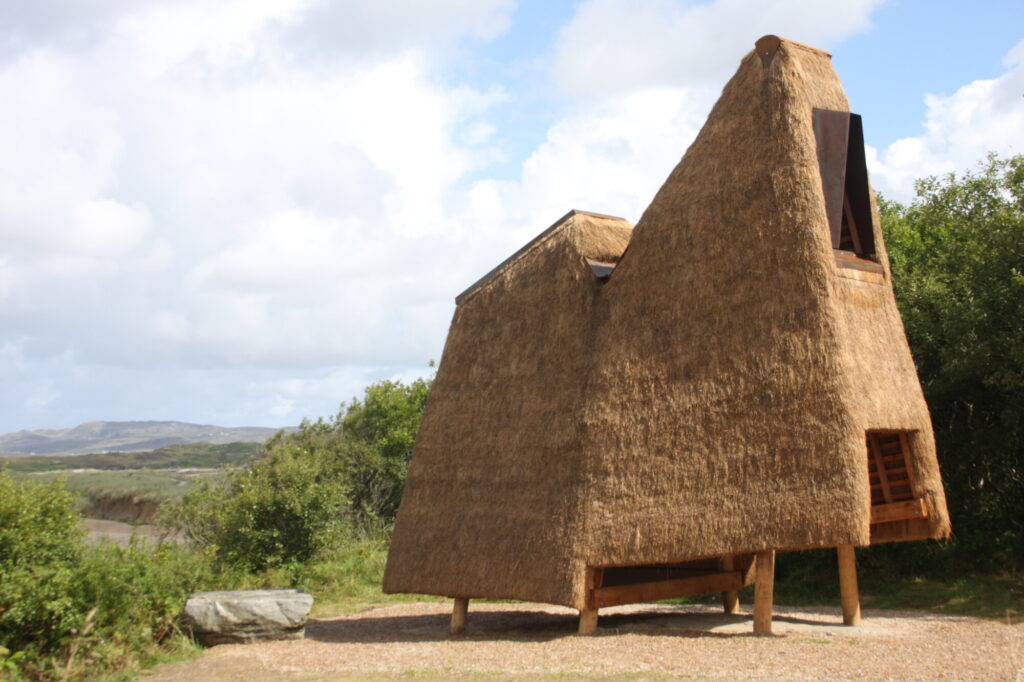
(891, 477)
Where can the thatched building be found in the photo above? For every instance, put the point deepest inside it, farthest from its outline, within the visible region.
(611, 426)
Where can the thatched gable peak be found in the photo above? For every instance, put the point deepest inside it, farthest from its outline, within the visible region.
(599, 239)
(767, 46)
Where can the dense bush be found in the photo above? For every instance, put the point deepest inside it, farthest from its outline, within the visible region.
(40, 550)
(332, 481)
(380, 432)
(290, 507)
(70, 610)
(957, 255)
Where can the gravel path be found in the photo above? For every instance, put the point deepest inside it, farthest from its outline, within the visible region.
(505, 641)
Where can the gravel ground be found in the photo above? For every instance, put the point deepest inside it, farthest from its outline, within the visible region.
(640, 642)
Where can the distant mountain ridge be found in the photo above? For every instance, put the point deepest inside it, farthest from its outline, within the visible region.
(92, 437)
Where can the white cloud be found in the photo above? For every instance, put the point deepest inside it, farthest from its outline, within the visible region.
(982, 116)
(103, 226)
(607, 158)
(612, 46)
(368, 30)
(245, 211)
(186, 192)
(283, 408)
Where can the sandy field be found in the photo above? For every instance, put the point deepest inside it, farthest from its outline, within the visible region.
(121, 533)
(639, 642)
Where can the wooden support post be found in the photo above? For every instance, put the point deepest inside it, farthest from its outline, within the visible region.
(848, 591)
(459, 615)
(730, 599)
(588, 621)
(764, 592)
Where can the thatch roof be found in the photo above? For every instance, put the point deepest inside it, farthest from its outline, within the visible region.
(710, 398)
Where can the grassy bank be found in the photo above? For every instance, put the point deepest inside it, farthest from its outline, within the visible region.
(185, 456)
(130, 486)
(127, 496)
(158, 486)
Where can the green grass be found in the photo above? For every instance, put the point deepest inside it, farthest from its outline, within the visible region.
(154, 486)
(157, 476)
(348, 581)
(184, 456)
(999, 597)
(994, 597)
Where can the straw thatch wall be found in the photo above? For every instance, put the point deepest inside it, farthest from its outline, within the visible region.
(490, 507)
(711, 398)
(883, 388)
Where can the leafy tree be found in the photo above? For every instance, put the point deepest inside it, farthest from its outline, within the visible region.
(957, 255)
(288, 508)
(381, 431)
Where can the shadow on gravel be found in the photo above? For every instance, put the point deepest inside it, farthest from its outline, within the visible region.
(539, 626)
(482, 625)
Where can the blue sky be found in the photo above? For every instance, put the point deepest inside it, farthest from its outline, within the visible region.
(241, 212)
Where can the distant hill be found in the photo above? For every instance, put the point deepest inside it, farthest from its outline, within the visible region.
(93, 437)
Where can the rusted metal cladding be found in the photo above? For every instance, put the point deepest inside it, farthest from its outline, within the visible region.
(840, 145)
(832, 132)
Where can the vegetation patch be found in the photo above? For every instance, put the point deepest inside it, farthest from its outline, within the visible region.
(128, 496)
(184, 456)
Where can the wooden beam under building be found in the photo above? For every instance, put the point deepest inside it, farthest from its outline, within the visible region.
(459, 611)
(848, 591)
(764, 589)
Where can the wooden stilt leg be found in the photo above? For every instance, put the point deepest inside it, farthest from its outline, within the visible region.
(848, 591)
(730, 600)
(459, 615)
(588, 621)
(764, 588)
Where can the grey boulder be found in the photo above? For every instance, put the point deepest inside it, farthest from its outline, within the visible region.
(247, 615)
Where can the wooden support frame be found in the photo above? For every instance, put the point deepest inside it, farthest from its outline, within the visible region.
(588, 615)
(668, 589)
(730, 598)
(459, 611)
(899, 511)
(848, 591)
(764, 589)
(588, 621)
(851, 224)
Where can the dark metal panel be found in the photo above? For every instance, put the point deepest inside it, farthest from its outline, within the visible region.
(832, 133)
(857, 191)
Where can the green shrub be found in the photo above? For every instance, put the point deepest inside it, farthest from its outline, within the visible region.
(381, 431)
(70, 610)
(40, 550)
(290, 507)
(330, 482)
(957, 256)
